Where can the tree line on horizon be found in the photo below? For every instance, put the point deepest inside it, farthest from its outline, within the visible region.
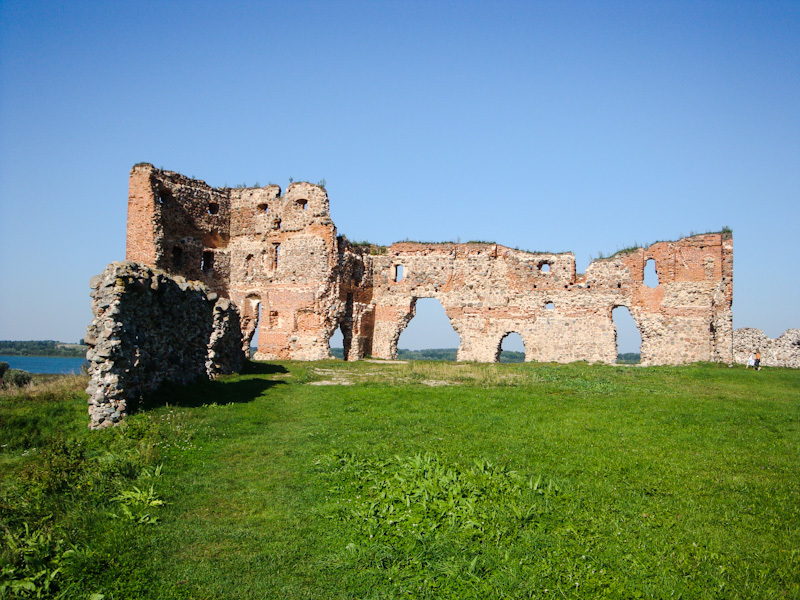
(41, 348)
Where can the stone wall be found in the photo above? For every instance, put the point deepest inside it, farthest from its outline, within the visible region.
(150, 328)
(277, 256)
(489, 291)
(783, 351)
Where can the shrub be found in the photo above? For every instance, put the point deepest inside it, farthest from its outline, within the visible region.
(16, 377)
(3, 368)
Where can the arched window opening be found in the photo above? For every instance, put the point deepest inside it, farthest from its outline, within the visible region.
(337, 344)
(544, 267)
(302, 203)
(263, 208)
(512, 348)
(650, 274)
(213, 208)
(399, 273)
(207, 263)
(549, 306)
(429, 335)
(628, 336)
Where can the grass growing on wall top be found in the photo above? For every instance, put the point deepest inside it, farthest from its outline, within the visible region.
(417, 480)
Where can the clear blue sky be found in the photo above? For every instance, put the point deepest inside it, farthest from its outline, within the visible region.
(558, 126)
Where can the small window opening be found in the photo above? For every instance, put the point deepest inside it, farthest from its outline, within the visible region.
(549, 306)
(276, 255)
(544, 267)
(213, 208)
(177, 257)
(619, 285)
(263, 208)
(398, 273)
(208, 261)
(650, 273)
(164, 196)
(278, 224)
(302, 203)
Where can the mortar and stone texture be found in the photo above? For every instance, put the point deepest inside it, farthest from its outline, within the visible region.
(277, 256)
(783, 351)
(150, 328)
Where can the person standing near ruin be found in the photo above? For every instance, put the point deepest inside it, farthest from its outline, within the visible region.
(757, 363)
(751, 360)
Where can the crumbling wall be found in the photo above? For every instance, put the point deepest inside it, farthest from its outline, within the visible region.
(783, 351)
(180, 225)
(278, 258)
(489, 291)
(150, 328)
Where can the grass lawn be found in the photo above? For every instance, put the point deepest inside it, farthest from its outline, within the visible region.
(410, 480)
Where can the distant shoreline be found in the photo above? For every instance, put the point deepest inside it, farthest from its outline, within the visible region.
(42, 348)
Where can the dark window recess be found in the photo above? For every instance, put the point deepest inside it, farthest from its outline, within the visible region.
(263, 208)
(177, 257)
(213, 208)
(302, 203)
(164, 196)
(208, 261)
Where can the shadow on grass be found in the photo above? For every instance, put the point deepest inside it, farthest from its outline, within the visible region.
(261, 368)
(200, 393)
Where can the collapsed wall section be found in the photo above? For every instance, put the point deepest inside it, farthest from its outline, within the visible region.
(180, 225)
(150, 328)
(489, 291)
(783, 351)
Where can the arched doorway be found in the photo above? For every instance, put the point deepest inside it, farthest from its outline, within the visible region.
(511, 348)
(251, 322)
(628, 336)
(336, 344)
(429, 335)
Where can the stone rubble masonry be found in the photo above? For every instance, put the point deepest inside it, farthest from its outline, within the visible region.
(150, 328)
(783, 351)
(278, 258)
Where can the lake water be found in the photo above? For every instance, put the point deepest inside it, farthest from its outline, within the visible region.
(45, 364)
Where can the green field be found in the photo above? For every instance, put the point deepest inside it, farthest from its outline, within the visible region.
(415, 480)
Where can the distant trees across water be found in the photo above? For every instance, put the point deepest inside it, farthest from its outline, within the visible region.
(449, 354)
(443, 354)
(41, 348)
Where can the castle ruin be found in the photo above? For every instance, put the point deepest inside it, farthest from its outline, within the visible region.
(277, 256)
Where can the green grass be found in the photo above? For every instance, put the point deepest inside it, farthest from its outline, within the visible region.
(416, 480)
